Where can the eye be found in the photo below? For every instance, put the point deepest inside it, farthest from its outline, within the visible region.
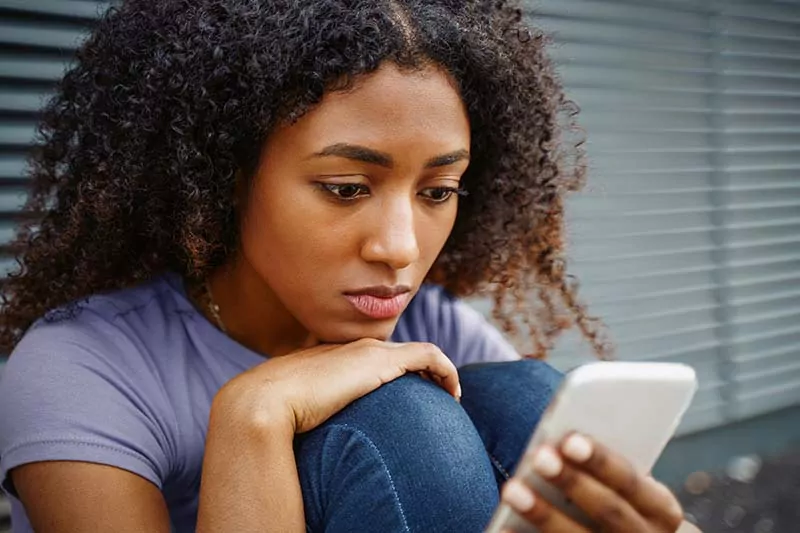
(441, 194)
(346, 191)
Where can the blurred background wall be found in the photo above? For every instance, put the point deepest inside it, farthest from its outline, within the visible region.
(686, 238)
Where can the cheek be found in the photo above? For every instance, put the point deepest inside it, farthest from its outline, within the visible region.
(266, 231)
(285, 233)
(434, 231)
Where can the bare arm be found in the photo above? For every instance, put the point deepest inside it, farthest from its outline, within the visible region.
(250, 483)
(250, 480)
(61, 496)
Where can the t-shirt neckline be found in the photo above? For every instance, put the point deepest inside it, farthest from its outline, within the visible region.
(210, 334)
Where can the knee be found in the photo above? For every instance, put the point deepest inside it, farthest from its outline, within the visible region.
(410, 421)
(408, 448)
(520, 389)
(407, 408)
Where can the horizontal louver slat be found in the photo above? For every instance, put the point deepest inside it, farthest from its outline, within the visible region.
(37, 40)
(86, 10)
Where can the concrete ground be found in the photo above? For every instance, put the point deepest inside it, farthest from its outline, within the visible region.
(765, 499)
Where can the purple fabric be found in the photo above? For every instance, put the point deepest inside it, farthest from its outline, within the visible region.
(128, 382)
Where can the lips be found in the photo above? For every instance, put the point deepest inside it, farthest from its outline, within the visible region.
(380, 303)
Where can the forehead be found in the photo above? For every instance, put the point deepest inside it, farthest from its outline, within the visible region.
(391, 105)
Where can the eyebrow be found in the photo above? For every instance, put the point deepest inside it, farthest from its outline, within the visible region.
(368, 155)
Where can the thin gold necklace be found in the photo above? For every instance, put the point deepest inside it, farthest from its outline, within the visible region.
(213, 308)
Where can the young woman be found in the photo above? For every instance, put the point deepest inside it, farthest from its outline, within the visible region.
(237, 305)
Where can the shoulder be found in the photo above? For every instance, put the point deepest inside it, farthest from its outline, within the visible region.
(434, 312)
(117, 323)
(457, 327)
(427, 312)
(145, 305)
(107, 346)
(85, 383)
(429, 301)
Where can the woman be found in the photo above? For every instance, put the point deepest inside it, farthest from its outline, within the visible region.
(221, 321)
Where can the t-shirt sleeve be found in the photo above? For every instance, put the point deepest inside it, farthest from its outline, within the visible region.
(459, 330)
(69, 394)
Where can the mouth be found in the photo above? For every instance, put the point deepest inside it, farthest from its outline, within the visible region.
(380, 303)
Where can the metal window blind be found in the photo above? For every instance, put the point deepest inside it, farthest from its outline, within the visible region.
(37, 40)
(686, 239)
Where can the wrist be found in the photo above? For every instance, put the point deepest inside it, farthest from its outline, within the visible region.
(264, 412)
(249, 476)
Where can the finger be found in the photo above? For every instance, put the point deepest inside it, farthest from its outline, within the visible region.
(430, 377)
(427, 376)
(600, 502)
(433, 378)
(536, 510)
(688, 527)
(645, 494)
(671, 514)
(428, 357)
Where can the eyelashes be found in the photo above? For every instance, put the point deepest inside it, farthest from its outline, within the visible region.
(349, 192)
(345, 191)
(442, 194)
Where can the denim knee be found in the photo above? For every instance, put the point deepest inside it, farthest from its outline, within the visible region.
(405, 457)
(505, 402)
(525, 386)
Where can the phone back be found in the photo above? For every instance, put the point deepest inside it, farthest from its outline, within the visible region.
(632, 408)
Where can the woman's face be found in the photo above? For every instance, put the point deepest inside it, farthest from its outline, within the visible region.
(352, 204)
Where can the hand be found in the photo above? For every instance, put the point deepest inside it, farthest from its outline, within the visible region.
(311, 385)
(602, 484)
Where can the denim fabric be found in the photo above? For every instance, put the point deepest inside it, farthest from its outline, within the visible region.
(408, 458)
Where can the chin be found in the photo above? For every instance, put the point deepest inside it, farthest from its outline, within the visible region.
(349, 332)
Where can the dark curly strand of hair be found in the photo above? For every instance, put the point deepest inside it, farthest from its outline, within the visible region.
(170, 100)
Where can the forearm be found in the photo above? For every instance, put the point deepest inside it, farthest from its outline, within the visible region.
(250, 481)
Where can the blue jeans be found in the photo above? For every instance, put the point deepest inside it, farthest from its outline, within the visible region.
(408, 458)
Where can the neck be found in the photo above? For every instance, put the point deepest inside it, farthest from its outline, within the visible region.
(252, 314)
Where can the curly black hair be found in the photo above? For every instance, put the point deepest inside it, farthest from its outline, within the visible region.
(170, 100)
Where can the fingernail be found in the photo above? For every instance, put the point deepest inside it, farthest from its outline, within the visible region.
(518, 496)
(547, 463)
(458, 393)
(578, 448)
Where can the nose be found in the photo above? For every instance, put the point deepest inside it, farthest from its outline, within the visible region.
(392, 238)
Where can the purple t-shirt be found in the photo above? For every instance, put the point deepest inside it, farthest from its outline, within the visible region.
(129, 380)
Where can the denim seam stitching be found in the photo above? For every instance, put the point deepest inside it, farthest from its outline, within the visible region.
(385, 469)
(498, 465)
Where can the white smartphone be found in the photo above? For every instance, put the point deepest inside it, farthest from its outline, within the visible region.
(632, 408)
